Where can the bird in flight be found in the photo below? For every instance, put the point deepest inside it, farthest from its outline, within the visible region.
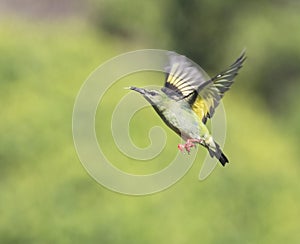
(188, 99)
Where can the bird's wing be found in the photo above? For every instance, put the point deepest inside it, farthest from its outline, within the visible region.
(211, 92)
(183, 77)
(188, 81)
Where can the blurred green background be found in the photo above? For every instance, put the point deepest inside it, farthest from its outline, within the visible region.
(48, 48)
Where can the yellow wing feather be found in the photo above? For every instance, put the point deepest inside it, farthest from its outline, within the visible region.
(191, 83)
(200, 108)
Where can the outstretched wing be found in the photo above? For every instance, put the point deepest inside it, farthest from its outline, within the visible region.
(211, 92)
(186, 80)
(183, 77)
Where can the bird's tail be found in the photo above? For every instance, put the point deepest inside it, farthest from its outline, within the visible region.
(215, 151)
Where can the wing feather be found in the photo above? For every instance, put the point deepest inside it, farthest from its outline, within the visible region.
(213, 92)
(182, 75)
(188, 81)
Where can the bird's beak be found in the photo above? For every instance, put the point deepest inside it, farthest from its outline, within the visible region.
(139, 90)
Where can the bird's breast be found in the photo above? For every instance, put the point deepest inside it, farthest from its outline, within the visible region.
(182, 120)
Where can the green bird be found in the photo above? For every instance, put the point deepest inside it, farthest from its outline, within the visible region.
(188, 100)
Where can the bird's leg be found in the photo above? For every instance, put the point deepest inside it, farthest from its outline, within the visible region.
(189, 144)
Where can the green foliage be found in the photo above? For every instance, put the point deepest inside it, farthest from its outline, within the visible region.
(137, 21)
(46, 195)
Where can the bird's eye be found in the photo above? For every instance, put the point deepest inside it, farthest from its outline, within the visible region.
(152, 93)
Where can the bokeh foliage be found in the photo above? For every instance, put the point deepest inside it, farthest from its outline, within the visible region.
(46, 195)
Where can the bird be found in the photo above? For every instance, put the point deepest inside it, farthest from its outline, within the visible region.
(188, 99)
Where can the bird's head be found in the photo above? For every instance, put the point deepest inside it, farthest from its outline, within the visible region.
(152, 96)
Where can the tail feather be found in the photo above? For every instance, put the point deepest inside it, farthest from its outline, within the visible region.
(215, 151)
(223, 159)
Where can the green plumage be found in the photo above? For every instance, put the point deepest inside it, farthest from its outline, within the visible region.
(188, 99)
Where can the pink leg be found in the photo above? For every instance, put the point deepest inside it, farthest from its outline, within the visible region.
(189, 144)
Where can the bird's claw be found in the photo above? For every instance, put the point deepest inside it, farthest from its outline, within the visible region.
(188, 145)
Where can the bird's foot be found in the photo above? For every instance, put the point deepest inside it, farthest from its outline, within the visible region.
(188, 145)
